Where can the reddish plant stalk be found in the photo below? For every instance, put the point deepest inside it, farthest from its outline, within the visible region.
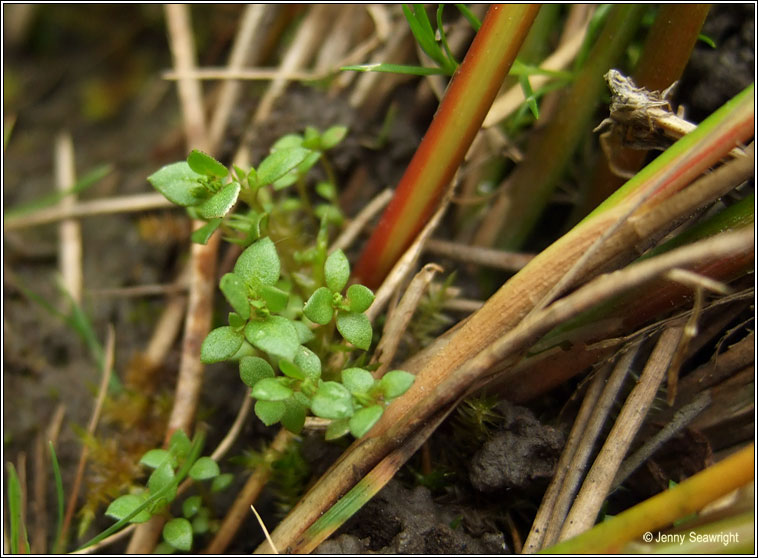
(458, 119)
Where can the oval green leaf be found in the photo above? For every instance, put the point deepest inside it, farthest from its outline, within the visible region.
(191, 505)
(253, 369)
(179, 184)
(336, 271)
(319, 308)
(270, 412)
(355, 328)
(363, 420)
(202, 163)
(279, 163)
(178, 533)
(271, 389)
(201, 235)
(221, 202)
(235, 291)
(293, 418)
(122, 506)
(179, 444)
(276, 299)
(308, 362)
(357, 380)
(337, 429)
(333, 136)
(221, 344)
(221, 482)
(395, 383)
(275, 335)
(332, 401)
(204, 468)
(154, 458)
(162, 478)
(259, 263)
(359, 298)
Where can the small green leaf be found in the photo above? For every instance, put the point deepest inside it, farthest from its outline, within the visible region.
(203, 469)
(221, 202)
(124, 505)
(200, 524)
(290, 370)
(271, 389)
(396, 383)
(236, 321)
(201, 235)
(191, 505)
(336, 271)
(162, 477)
(275, 335)
(308, 362)
(221, 482)
(179, 184)
(359, 297)
(363, 420)
(254, 369)
(332, 401)
(396, 69)
(357, 380)
(179, 444)
(154, 458)
(355, 328)
(235, 291)
(333, 136)
(221, 344)
(337, 429)
(329, 214)
(326, 190)
(279, 163)
(259, 263)
(276, 299)
(319, 306)
(304, 333)
(202, 163)
(178, 533)
(270, 412)
(293, 418)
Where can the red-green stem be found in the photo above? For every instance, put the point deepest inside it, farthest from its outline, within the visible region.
(459, 117)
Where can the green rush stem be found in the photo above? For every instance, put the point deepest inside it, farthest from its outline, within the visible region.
(458, 119)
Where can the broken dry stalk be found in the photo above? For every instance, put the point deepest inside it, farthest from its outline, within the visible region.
(600, 478)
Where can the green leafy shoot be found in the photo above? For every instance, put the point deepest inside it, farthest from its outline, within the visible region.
(178, 533)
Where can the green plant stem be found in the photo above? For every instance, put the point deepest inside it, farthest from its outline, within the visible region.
(667, 50)
(459, 117)
(517, 209)
(663, 509)
(60, 499)
(18, 538)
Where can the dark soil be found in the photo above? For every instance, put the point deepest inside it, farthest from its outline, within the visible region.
(95, 71)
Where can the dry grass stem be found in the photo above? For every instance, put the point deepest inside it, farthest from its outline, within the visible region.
(251, 23)
(400, 316)
(359, 222)
(586, 444)
(698, 281)
(478, 255)
(140, 291)
(124, 204)
(41, 468)
(407, 262)
(265, 530)
(545, 513)
(238, 511)
(69, 230)
(182, 43)
(599, 480)
(681, 419)
(234, 432)
(110, 347)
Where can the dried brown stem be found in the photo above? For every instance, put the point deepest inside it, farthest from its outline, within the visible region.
(354, 228)
(69, 230)
(583, 451)
(489, 257)
(124, 204)
(41, 468)
(247, 496)
(110, 346)
(600, 478)
(400, 316)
